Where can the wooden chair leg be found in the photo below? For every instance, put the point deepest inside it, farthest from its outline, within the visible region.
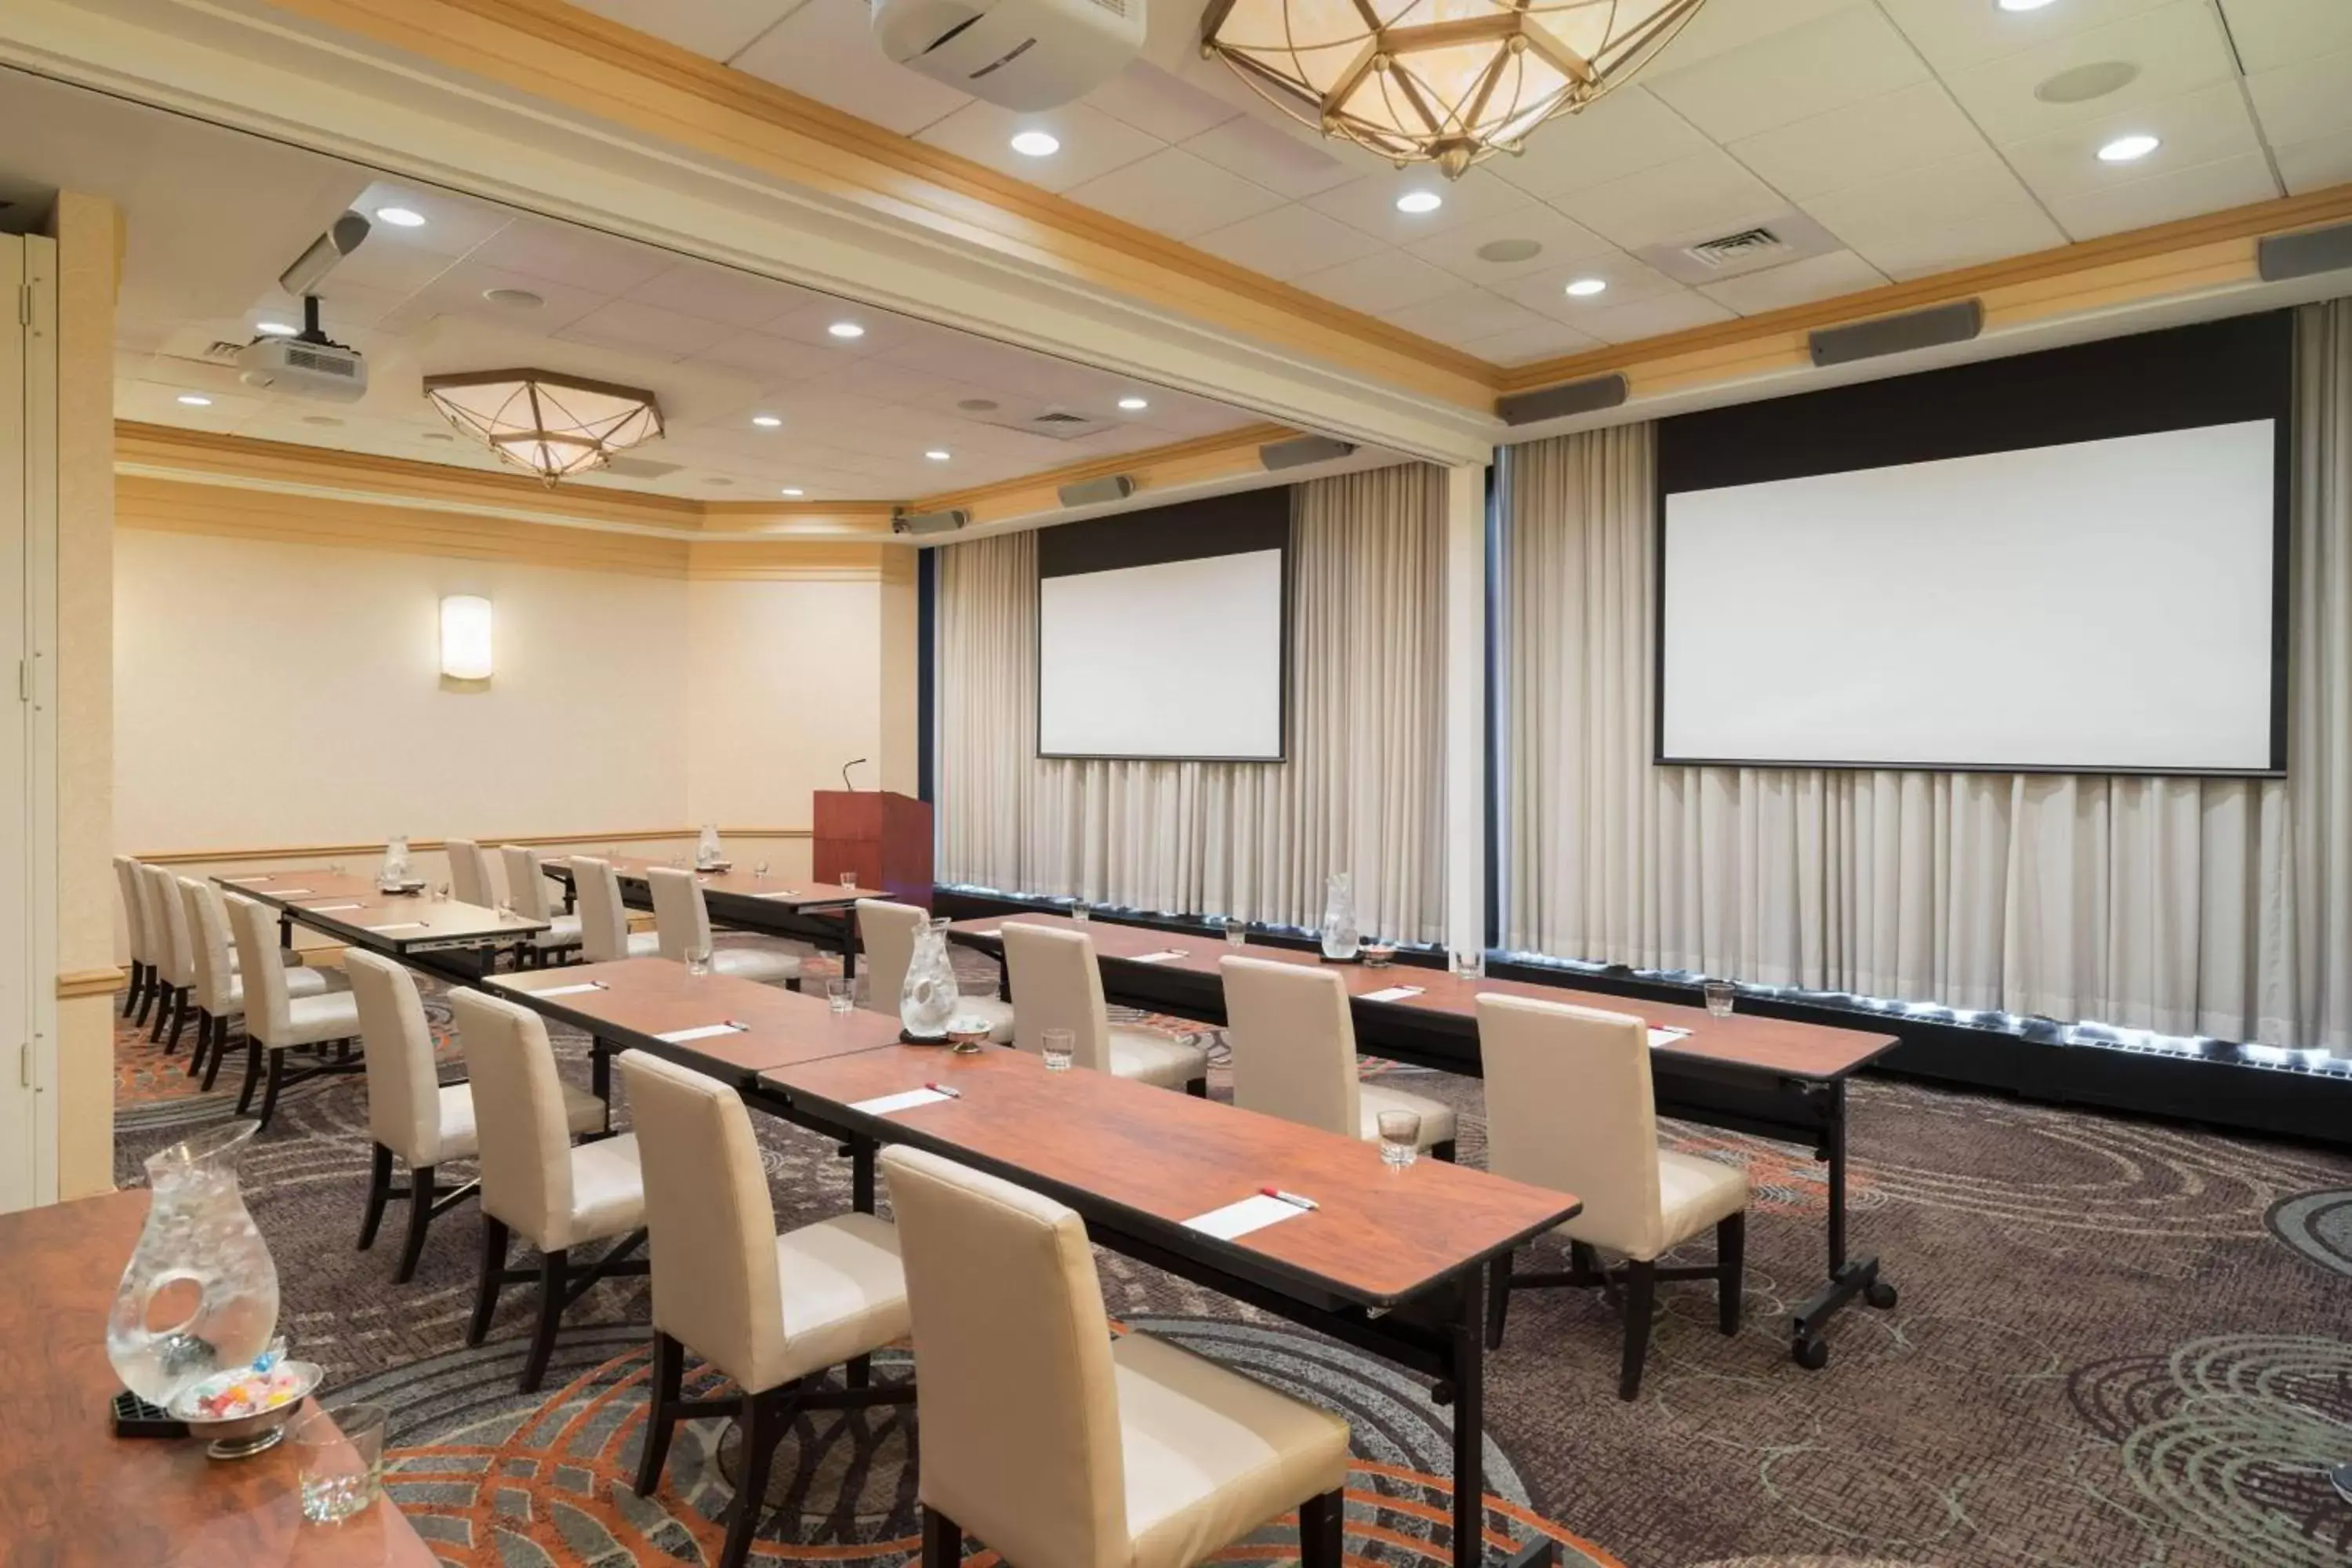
(146, 998)
(494, 1268)
(1322, 1530)
(1640, 1296)
(1731, 1265)
(179, 1021)
(1443, 1151)
(553, 1281)
(942, 1540)
(138, 984)
(1197, 1088)
(164, 995)
(277, 1081)
(220, 1049)
(420, 1215)
(1498, 1298)
(661, 1416)
(379, 1189)
(252, 1073)
(764, 1419)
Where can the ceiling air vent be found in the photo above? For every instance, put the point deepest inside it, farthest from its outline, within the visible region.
(1747, 247)
(1056, 417)
(224, 351)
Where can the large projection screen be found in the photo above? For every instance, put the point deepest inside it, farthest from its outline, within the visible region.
(1139, 656)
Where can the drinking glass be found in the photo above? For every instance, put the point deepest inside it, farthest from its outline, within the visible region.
(761, 870)
(849, 879)
(1469, 963)
(841, 995)
(338, 1461)
(1400, 1137)
(1236, 934)
(698, 961)
(334, 867)
(1060, 1047)
(1081, 910)
(1720, 995)
(440, 892)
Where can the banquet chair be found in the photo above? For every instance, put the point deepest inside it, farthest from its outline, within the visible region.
(1569, 1107)
(605, 933)
(173, 962)
(219, 985)
(1056, 984)
(527, 895)
(470, 873)
(534, 1181)
(772, 1312)
(682, 920)
(142, 973)
(1059, 1446)
(887, 932)
(277, 1020)
(1294, 1055)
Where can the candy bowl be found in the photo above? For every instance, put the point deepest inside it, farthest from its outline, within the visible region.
(967, 1035)
(244, 1411)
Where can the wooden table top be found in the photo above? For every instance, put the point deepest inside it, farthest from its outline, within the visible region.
(741, 881)
(318, 886)
(422, 919)
(1381, 1234)
(71, 1493)
(644, 997)
(1778, 1045)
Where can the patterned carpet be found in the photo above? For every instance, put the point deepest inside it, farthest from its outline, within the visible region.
(2119, 1345)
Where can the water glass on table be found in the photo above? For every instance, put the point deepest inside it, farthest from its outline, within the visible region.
(1236, 934)
(338, 1461)
(1400, 1137)
(841, 995)
(1059, 1048)
(1081, 911)
(1719, 995)
(698, 961)
(849, 879)
(1469, 963)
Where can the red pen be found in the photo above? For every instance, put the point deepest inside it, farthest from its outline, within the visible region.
(1293, 1199)
(943, 1089)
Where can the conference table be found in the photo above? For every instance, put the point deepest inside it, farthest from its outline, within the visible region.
(451, 940)
(1390, 1260)
(1767, 1077)
(800, 909)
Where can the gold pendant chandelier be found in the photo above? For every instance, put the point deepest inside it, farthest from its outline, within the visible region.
(554, 426)
(1449, 82)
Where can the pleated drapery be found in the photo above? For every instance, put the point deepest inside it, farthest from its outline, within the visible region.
(2216, 907)
(1363, 789)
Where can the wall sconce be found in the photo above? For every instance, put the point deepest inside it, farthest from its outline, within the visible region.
(465, 637)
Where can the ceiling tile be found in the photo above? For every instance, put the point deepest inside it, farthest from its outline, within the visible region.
(454, 224)
(1886, 135)
(1370, 204)
(1939, 197)
(716, 28)
(381, 262)
(1549, 341)
(1464, 316)
(722, 294)
(1093, 142)
(1546, 292)
(1795, 283)
(1272, 156)
(1723, 25)
(1175, 194)
(2161, 197)
(1287, 241)
(1560, 239)
(812, 323)
(773, 359)
(1794, 74)
(1159, 104)
(643, 329)
(825, 50)
(1383, 282)
(575, 256)
(1690, 198)
(2178, 47)
(2314, 165)
(2307, 99)
(1919, 251)
(2202, 128)
(1654, 317)
(463, 290)
(2273, 33)
(1624, 133)
(1954, 35)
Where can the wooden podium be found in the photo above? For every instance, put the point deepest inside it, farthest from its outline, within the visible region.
(884, 839)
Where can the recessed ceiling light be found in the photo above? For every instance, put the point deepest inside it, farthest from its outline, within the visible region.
(2128, 149)
(847, 330)
(766, 421)
(400, 217)
(937, 454)
(793, 490)
(321, 419)
(2025, 5)
(1420, 202)
(718, 479)
(1135, 405)
(274, 330)
(1037, 143)
(1585, 287)
(978, 405)
(514, 298)
(1510, 250)
(195, 400)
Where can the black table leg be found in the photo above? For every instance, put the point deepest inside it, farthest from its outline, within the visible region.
(861, 1174)
(1469, 1390)
(599, 1075)
(1847, 1278)
(285, 929)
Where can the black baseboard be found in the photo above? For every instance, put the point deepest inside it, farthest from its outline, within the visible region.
(2216, 1084)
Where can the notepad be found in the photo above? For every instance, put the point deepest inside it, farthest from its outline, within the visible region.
(400, 925)
(885, 1104)
(785, 893)
(1661, 1035)
(1392, 993)
(681, 1036)
(1253, 1213)
(244, 881)
(285, 893)
(567, 990)
(1165, 955)
(330, 908)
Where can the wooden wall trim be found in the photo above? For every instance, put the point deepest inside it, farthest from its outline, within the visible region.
(1159, 467)
(802, 561)
(77, 982)
(434, 846)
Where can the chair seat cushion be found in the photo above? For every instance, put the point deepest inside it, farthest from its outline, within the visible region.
(844, 1293)
(563, 931)
(330, 1015)
(1694, 1194)
(645, 944)
(999, 1015)
(582, 1112)
(764, 964)
(1436, 1116)
(1210, 1455)
(608, 1193)
(1150, 1057)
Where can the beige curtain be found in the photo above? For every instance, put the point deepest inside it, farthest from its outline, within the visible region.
(1362, 792)
(2189, 906)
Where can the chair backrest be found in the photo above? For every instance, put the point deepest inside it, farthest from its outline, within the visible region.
(212, 974)
(680, 917)
(404, 1088)
(887, 932)
(1056, 984)
(526, 881)
(268, 1008)
(716, 1288)
(167, 925)
(470, 873)
(603, 924)
(1294, 1045)
(519, 1119)
(126, 877)
(1015, 1397)
(1568, 1106)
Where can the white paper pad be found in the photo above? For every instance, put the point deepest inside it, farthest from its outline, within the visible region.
(681, 1036)
(1165, 955)
(1393, 994)
(885, 1104)
(398, 925)
(330, 908)
(1665, 1036)
(285, 893)
(244, 881)
(786, 893)
(1253, 1213)
(566, 990)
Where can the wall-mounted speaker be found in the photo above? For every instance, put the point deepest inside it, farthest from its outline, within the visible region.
(1303, 449)
(1931, 328)
(930, 521)
(1589, 395)
(1094, 493)
(2285, 256)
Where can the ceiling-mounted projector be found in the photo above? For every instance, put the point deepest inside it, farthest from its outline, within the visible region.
(309, 363)
(1022, 54)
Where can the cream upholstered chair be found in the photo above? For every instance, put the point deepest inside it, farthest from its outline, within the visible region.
(887, 932)
(682, 920)
(1057, 985)
(143, 977)
(174, 959)
(1057, 1446)
(411, 1112)
(470, 873)
(527, 895)
(770, 1311)
(218, 984)
(1568, 1106)
(605, 933)
(1294, 1055)
(534, 1183)
(276, 1020)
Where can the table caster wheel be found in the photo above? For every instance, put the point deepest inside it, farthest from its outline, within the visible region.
(1880, 1294)
(1811, 1354)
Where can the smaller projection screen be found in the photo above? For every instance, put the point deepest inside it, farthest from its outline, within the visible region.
(1163, 635)
(2066, 561)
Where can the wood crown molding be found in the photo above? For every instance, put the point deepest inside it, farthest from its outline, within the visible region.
(78, 982)
(1158, 467)
(434, 846)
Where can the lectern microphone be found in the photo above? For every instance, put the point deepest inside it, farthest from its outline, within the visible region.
(844, 771)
